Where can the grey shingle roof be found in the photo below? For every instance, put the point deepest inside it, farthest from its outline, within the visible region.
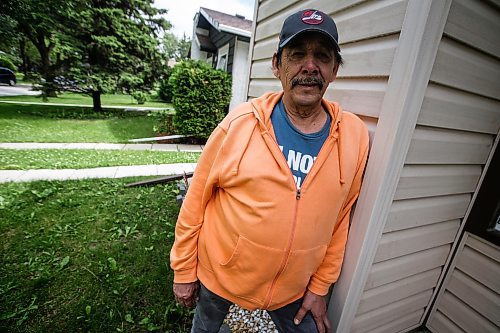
(235, 21)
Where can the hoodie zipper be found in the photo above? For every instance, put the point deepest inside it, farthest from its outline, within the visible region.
(287, 252)
(298, 195)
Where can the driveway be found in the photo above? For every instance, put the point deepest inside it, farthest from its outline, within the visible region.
(6, 90)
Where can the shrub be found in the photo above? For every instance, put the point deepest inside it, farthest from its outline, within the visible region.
(139, 96)
(201, 96)
(7, 62)
(165, 90)
(163, 122)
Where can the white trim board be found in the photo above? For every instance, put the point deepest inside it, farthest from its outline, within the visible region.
(421, 33)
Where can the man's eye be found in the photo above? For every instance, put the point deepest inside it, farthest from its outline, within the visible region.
(324, 56)
(297, 54)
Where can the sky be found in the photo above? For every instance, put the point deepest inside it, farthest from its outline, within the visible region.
(181, 12)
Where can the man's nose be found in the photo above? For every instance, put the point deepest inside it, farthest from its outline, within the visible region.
(310, 65)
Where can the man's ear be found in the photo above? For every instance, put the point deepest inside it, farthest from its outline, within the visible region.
(335, 70)
(275, 67)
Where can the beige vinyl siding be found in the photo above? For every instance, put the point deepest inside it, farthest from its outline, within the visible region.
(368, 33)
(471, 300)
(452, 140)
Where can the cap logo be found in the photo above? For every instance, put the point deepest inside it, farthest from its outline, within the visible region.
(312, 17)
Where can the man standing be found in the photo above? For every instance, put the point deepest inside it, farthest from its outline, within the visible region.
(264, 223)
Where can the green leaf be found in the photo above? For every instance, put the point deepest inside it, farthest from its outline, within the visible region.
(88, 309)
(128, 318)
(112, 264)
(64, 262)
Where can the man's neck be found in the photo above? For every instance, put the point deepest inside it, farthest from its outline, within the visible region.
(306, 119)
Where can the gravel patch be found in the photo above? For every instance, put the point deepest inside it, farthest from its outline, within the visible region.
(244, 321)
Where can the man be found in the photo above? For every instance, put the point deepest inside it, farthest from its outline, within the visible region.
(265, 220)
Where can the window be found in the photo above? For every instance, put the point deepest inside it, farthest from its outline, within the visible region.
(222, 62)
(223, 56)
(484, 217)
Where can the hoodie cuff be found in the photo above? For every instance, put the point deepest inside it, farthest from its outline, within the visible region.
(318, 287)
(185, 276)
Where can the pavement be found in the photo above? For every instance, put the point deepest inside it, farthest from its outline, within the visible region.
(127, 108)
(18, 89)
(105, 172)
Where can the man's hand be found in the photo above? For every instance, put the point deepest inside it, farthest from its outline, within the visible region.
(317, 305)
(186, 293)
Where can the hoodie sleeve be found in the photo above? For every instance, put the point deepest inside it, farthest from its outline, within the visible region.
(329, 270)
(184, 253)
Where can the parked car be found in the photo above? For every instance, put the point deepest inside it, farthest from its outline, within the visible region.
(7, 76)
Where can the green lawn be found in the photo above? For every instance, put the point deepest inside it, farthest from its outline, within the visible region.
(106, 99)
(13, 159)
(35, 123)
(87, 256)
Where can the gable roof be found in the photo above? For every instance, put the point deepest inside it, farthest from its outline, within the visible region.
(235, 24)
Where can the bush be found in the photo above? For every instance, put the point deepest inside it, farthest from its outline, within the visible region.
(163, 122)
(165, 90)
(6, 62)
(201, 97)
(139, 96)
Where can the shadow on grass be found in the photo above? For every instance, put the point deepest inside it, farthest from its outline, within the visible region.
(87, 256)
(43, 123)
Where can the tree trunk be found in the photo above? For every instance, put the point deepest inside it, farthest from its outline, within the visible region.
(96, 100)
(49, 89)
(22, 49)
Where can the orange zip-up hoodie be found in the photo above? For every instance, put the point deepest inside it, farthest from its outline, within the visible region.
(246, 232)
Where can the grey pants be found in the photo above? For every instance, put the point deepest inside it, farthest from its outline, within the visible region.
(212, 309)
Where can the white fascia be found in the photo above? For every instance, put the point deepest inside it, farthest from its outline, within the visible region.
(236, 31)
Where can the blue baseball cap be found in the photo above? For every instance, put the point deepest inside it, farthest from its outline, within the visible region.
(308, 20)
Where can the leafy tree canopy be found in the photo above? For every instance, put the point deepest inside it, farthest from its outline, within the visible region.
(98, 44)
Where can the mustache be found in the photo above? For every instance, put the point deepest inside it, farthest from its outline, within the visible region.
(308, 81)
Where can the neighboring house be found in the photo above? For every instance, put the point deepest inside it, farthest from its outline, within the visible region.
(223, 41)
(424, 75)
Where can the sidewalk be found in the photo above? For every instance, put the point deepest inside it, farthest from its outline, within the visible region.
(126, 108)
(103, 146)
(105, 172)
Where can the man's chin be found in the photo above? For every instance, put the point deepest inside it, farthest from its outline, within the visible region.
(309, 98)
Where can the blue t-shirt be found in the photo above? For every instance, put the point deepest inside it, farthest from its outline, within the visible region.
(300, 149)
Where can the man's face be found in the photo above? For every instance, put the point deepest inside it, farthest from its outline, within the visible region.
(307, 67)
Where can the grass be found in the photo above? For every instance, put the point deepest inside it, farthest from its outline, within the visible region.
(106, 99)
(87, 256)
(11, 159)
(37, 123)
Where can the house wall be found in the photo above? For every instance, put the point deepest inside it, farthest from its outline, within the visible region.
(196, 53)
(425, 78)
(239, 73)
(453, 136)
(471, 300)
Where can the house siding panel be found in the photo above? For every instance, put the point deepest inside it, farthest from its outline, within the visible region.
(445, 107)
(471, 298)
(451, 143)
(455, 61)
(463, 25)
(369, 321)
(390, 293)
(418, 181)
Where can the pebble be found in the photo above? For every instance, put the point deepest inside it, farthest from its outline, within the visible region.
(244, 321)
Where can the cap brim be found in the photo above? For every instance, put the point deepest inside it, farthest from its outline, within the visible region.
(282, 44)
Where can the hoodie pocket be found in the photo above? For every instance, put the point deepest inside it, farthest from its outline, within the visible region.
(248, 272)
(301, 265)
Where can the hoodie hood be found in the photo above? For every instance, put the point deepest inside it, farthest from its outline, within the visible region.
(263, 107)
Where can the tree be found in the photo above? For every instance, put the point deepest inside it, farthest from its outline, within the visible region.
(117, 40)
(175, 48)
(41, 22)
(96, 45)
